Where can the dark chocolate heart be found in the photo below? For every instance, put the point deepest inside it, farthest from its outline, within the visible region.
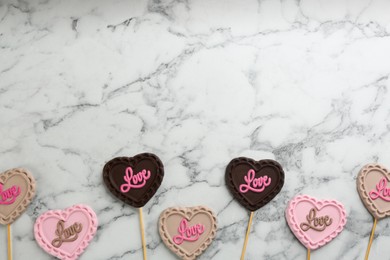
(134, 180)
(254, 183)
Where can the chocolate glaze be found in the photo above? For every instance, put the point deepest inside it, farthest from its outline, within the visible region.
(234, 177)
(114, 172)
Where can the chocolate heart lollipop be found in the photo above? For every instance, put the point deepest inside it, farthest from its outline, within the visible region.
(187, 231)
(315, 222)
(374, 191)
(66, 233)
(134, 180)
(254, 183)
(17, 189)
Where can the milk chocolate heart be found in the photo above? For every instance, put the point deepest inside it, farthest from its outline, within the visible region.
(187, 231)
(254, 183)
(374, 190)
(17, 189)
(134, 180)
(315, 222)
(66, 233)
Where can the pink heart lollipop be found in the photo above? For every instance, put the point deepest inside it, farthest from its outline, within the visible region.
(315, 222)
(66, 233)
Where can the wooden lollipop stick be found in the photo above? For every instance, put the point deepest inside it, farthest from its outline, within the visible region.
(141, 221)
(9, 242)
(246, 236)
(371, 238)
(308, 254)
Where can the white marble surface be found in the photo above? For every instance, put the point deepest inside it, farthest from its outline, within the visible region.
(198, 83)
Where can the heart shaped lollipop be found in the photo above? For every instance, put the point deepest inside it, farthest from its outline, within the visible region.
(134, 180)
(374, 191)
(315, 222)
(17, 189)
(373, 188)
(254, 183)
(66, 233)
(187, 231)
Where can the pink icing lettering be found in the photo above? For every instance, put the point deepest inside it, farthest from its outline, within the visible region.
(9, 196)
(254, 184)
(188, 233)
(136, 181)
(382, 191)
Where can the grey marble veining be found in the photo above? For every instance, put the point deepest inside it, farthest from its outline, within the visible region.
(197, 83)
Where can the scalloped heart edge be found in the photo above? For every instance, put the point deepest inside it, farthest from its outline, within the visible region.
(28, 197)
(298, 232)
(59, 213)
(363, 192)
(184, 210)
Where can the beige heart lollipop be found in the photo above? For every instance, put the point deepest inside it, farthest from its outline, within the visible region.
(372, 185)
(188, 231)
(17, 189)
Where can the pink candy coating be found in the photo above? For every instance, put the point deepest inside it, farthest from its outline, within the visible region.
(297, 213)
(46, 225)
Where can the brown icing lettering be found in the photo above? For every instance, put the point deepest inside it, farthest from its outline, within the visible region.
(68, 234)
(316, 223)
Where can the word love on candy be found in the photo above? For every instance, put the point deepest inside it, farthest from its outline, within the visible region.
(188, 233)
(68, 234)
(316, 223)
(134, 181)
(254, 184)
(9, 196)
(382, 191)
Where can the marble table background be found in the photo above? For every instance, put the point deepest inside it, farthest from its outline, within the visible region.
(197, 83)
